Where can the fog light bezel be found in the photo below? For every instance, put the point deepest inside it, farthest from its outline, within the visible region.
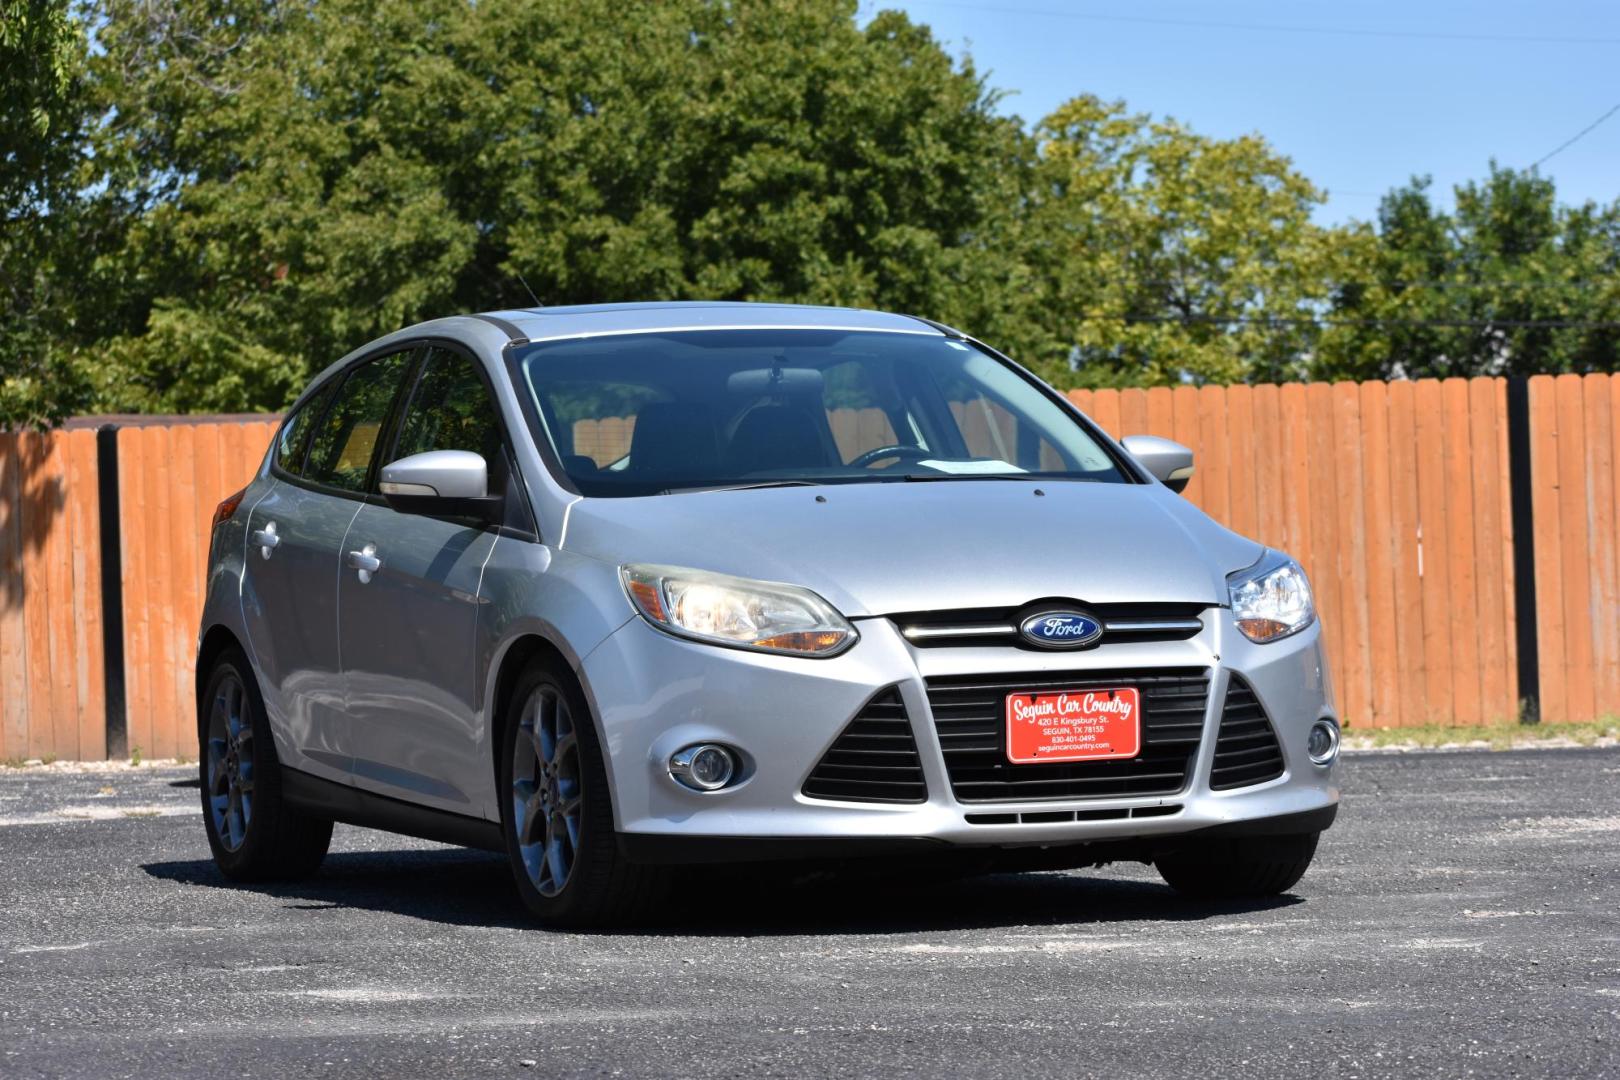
(681, 771)
(1331, 755)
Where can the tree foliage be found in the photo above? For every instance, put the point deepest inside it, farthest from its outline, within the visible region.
(1168, 255)
(1509, 283)
(225, 195)
(42, 111)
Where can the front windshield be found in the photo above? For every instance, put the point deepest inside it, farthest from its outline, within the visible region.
(643, 414)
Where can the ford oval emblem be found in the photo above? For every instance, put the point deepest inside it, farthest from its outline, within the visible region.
(1061, 629)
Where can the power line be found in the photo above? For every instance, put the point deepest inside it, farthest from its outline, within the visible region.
(1465, 285)
(1279, 321)
(1204, 24)
(1573, 139)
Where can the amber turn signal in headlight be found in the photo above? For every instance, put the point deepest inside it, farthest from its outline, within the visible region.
(1271, 599)
(738, 612)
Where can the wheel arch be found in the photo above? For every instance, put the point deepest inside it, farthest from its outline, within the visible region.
(523, 650)
(216, 640)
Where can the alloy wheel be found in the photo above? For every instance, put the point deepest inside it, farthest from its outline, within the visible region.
(547, 796)
(230, 762)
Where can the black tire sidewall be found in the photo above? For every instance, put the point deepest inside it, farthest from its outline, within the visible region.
(266, 779)
(596, 834)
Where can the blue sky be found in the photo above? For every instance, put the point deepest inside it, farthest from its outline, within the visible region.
(1358, 110)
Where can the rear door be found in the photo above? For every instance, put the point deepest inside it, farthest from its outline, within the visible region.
(295, 535)
(409, 629)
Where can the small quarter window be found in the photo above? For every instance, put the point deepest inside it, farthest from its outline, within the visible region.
(294, 437)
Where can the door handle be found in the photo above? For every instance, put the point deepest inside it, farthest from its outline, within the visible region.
(265, 539)
(366, 562)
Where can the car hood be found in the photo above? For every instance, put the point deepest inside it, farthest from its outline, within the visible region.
(877, 549)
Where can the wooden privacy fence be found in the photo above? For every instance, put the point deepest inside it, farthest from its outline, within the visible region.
(1428, 514)
(159, 479)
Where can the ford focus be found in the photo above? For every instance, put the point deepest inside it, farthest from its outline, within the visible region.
(617, 588)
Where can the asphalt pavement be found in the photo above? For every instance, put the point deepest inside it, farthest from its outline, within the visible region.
(1462, 919)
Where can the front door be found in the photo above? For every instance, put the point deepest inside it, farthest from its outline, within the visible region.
(408, 629)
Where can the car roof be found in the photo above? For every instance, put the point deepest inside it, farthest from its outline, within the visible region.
(584, 320)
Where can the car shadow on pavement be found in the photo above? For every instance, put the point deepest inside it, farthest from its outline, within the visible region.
(468, 888)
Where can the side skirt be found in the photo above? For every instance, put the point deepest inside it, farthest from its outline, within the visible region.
(352, 806)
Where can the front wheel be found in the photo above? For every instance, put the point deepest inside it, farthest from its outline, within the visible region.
(253, 833)
(1239, 866)
(558, 813)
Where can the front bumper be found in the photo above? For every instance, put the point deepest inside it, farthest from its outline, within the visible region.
(654, 694)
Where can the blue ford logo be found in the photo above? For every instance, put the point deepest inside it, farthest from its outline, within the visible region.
(1060, 629)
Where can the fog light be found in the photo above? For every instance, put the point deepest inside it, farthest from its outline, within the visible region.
(704, 767)
(1323, 744)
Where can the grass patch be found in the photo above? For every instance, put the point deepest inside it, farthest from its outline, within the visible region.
(1501, 736)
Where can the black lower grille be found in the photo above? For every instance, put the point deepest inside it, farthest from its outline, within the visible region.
(1246, 750)
(970, 716)
(874, 759)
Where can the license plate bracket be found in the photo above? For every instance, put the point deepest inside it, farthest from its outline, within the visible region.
(1094, 724)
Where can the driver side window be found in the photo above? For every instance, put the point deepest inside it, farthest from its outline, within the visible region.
(859, 423)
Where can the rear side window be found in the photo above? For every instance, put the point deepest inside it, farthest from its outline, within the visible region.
(341, 448)
(294, 437)
(450, 410)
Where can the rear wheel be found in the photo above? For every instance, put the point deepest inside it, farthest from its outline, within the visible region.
(253, 833)
(558, 813)
(1239, 866)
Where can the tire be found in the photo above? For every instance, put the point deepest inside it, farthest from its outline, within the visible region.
(253, 833)
(557, 811)
(1251, 866)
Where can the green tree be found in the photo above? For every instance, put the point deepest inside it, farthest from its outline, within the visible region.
(1510, 282)
(1166, 255)
(308, 176)
(41, 118)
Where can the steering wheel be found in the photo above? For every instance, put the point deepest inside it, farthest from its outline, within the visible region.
(904, 453)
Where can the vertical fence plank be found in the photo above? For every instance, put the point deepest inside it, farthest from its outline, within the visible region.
(85, 614)
(1133, 412)
(1384, 689)
(1545, 500)
(1495, 656)
(1216, 494)
(1433, 549)
(58, 736)
(39, 502)
(1161, 412)
(1457, 483)
(1509, 569)
(1294, 479)
(1105, 410)
(1184, 420)
(1354, 676)
(1575, 548)
(1322, 511)
(1269, 469)
(1405, 534)
(1240, 461)
(1602, 594)
(133, 479)
(13, 647)
(1612, 707)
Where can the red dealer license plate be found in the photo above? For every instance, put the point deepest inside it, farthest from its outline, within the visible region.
(1074, 725)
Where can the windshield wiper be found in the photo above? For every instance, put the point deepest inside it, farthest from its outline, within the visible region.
(929, 478)
(742, 487)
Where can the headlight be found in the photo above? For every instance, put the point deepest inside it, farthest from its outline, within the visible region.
(734, 611)
(1271, 599)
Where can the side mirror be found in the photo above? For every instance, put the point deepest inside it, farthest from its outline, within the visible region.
(1169, 462)
(440, 483)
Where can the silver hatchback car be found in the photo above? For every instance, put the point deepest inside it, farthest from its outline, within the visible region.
(616, 588)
